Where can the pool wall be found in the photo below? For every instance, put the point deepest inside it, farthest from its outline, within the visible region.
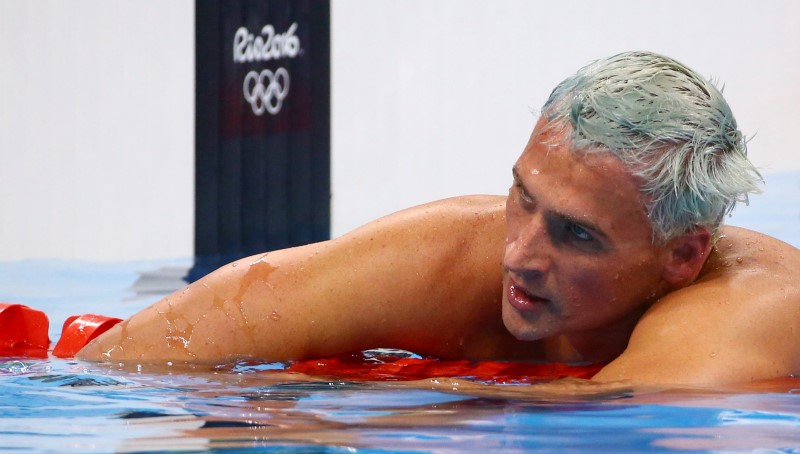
(429, 100)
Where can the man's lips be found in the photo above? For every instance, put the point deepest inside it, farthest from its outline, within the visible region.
(522, 300)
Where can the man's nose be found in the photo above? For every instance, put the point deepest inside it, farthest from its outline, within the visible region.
(528, 251)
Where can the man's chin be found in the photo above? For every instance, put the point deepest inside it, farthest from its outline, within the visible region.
(522, 329)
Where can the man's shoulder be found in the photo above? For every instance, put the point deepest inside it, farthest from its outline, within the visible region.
(463, 205)
(753, 237)
(465, 233)
(749, 265)
(744, 252)
(479, 217)
(737, 322)
(748, 273)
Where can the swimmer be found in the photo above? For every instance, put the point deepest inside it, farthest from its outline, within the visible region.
(609, 248)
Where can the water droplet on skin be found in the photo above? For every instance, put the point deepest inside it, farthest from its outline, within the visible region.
(739, 260)
(274, 316)
(234, 264)
(713, 354)
(535, 172)
(107, 354)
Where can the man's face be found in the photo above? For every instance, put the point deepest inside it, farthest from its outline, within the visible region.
(578, 254)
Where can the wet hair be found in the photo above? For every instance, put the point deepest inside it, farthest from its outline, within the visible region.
(670, 127)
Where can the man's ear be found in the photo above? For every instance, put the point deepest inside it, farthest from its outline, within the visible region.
(686, 256)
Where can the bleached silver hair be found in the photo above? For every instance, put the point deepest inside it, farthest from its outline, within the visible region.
(669, 126)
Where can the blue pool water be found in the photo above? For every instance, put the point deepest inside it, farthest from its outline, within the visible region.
(69, 407)
(58, 405)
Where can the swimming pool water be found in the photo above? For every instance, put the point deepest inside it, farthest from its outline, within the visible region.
(63, 406)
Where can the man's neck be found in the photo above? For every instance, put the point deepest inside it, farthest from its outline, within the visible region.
(599, 345)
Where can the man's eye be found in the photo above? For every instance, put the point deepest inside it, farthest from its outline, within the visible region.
(523, 196)
(526, 198)
(579, 232)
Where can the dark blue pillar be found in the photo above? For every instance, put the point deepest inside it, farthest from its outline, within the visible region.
(262, 179)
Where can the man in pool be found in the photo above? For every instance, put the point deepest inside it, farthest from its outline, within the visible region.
(609, 248)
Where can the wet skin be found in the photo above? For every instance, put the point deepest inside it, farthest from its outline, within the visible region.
(563, 269)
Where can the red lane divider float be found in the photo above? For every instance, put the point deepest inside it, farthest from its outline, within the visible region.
(79, 330)
(361, 368)
(23, 331)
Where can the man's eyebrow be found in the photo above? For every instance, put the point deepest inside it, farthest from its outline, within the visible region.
(518, 182)
(517, 178)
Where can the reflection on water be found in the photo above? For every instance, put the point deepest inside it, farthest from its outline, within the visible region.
(72, 406)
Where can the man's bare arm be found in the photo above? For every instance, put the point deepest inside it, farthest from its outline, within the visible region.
(738, 324)
(424, 279)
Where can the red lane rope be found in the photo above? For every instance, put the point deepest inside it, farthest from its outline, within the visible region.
(360, 368)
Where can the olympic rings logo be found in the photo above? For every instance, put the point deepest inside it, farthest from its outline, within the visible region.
(265, 91)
